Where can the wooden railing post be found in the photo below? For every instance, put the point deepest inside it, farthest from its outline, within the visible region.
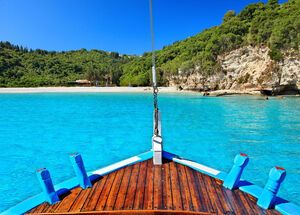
(78, 166)
(240, 162)
(267, 198)
(46, 183)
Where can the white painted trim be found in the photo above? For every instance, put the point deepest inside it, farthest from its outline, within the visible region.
(198, 166)
(117, 165)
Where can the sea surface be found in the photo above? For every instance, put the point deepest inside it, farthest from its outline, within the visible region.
(41, 130)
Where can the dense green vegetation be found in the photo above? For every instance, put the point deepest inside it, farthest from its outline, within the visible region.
(30, 68)
(271, 24)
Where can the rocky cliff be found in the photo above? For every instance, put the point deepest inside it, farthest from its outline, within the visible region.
(246, 69)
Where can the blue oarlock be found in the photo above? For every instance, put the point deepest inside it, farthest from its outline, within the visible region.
(78, 165)
(268, 196)
(232, 179)
(46, 183)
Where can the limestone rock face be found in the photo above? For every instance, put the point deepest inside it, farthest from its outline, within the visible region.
(245, 68)
(290, 70)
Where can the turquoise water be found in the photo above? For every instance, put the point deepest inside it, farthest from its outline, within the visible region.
(40, 130)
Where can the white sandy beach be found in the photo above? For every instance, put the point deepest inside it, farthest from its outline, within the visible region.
(120, 90)
(89, 90)
(21, 90)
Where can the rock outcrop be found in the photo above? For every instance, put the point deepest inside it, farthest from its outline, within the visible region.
(246, 69)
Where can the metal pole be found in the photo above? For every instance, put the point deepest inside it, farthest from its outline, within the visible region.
(156, 139)
(152, 45)
(154, 81)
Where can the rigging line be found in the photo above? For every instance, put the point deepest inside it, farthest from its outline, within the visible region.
(154, 81)
(152, 44)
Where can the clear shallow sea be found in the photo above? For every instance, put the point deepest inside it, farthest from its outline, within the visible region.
(40, 130)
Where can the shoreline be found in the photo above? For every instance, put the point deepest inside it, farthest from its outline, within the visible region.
(88, 90)
(216, 93)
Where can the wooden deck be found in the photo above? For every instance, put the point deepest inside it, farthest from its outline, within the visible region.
(147, 189)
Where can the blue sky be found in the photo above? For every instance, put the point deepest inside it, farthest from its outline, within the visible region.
(111, 25)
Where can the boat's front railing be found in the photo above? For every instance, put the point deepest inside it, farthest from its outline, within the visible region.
(266, 197)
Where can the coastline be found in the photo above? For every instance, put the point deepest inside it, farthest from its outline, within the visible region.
(89, 90)
(234, 92)
(216, 93)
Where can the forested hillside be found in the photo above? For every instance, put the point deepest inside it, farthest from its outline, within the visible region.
(274, 25)
(20, 67)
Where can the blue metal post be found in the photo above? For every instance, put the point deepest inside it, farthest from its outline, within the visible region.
(240, 162)
(83, 179)
(267, 198)
(47, 185)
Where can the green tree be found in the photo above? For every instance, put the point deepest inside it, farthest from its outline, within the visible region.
(229, 15)
(274, 25)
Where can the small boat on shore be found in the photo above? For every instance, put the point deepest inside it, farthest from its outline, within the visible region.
(157, 182)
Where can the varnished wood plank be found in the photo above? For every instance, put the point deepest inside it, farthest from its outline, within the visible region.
(207, 203)
(249, 208)
(208, 193)
(141, 184)
(157, 183)
(66, 203)
(135, 212)
(40, 208)
(252, 203)
(148, 196)
(34, 209)
(167, 190)
(50, 208)
(272, 212)
(176, 193)
(213, 194)
(202, 191)
(235, 203)
(111, 199)
(185, 190)
(123, 189)
(105, 192)
(195, 197)
(131, 191)
(227, 208)
(91, 202)
(80, 200)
